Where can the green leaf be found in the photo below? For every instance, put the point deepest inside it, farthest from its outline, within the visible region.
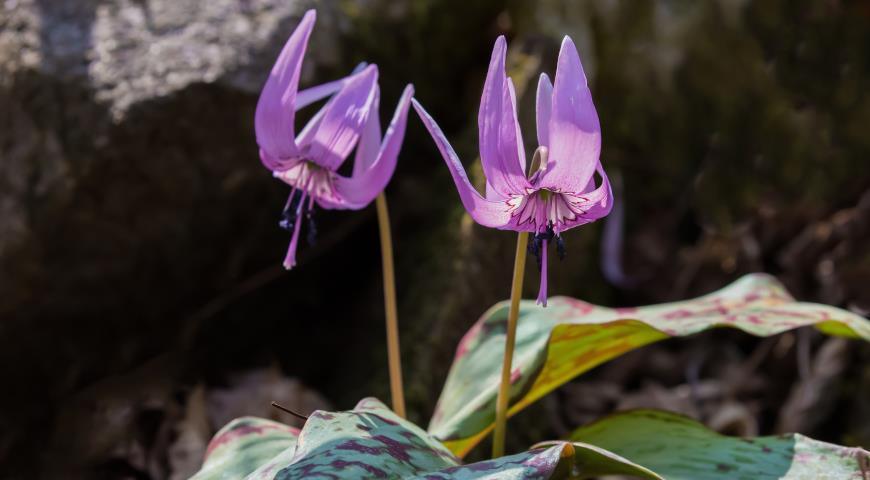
(679, 448)
(372, 442)
(559, 342)
(243, 445)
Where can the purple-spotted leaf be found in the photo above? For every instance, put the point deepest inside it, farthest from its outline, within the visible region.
(368, 441)
(557, 343)
(372, 442)
(243, 445)
(553, 460)
(679, 448)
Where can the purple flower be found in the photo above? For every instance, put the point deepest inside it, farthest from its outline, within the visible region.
(308, 161)
(558, 190)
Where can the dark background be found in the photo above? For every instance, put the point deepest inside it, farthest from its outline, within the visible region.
(143, 301)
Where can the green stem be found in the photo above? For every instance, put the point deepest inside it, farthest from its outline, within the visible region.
(501, 405)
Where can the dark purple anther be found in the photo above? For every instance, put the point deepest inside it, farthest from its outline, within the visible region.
(538, 243)
(560, 247)
(534, 247)
(312, 229)
(546, 235)
(288, 216)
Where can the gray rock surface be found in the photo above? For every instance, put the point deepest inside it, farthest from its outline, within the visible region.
(127, 161)
(119, 56)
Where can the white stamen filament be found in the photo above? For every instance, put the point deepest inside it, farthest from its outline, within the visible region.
(315, 180)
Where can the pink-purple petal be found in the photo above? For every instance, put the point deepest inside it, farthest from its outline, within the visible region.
(370, 140)
(601, 199)
(303, 138)
(512, 137)
(544, 106)
(360, 189)
(490, 193)
(307, 133)
(598, 204)
(575, 134)
(485, 212)
(343, 121)
(276, 164)
(497, 126)
(316, 93)
(273, 119)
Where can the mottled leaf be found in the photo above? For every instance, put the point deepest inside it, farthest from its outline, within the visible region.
(243, 445)
(569, 337)
(551, 460)
(372, 442)
(369, 441)
(679, 448)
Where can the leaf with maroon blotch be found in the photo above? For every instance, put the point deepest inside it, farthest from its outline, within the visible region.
(373, 442)
(243, 445)
(569, 337)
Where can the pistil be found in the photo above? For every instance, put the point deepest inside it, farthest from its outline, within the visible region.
(290, 213)
(538, 248)
(542, 265)
(538, 245)
(293, 219)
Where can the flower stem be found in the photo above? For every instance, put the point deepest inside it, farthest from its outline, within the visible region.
(393, 352)
(501, 405)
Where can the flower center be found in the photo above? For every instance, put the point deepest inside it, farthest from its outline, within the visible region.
(542, 209)
(538, 244)
(309, 181)
(314, 180)
(545, 209)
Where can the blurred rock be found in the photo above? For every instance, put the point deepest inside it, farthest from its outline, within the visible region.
(186, 452)
(146, 422)
(145, 50)
(251, 393)
(247, 393)
(130, 189)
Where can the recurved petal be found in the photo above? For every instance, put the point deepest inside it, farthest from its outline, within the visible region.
(601, 199)
(310, 95)
(277, 164)
(512, 137)
(280, 165)
(370, 139)
(361, 188)
(273, 119)
(485, 212)
(307, 133)
(544, 105)
(575, 134)
(492, 194)
(343, 121)
(595, 204)
(499, 141)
